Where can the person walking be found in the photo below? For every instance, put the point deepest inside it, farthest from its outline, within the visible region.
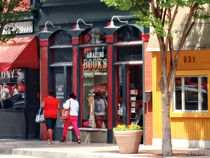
(73, 104)
(50, 105)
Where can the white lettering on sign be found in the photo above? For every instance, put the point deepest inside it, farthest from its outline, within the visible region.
(95, 54)
(95, 59)
(92, 74)
(10, 74)
(94, 64)
(21, 27)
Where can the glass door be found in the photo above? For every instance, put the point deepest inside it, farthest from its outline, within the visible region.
(129, 94)
(62, 77)
(136, 95)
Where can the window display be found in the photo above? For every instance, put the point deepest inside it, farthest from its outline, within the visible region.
(95, 87)
(12, 89)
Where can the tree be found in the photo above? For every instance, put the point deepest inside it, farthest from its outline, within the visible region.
(11, 11)
(161, 17)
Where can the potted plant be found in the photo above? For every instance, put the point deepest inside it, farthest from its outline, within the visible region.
(128, 138)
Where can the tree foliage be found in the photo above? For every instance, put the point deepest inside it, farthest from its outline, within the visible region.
(11, 11)
(161, 15)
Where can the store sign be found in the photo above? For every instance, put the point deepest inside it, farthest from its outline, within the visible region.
(95, 58)
(25, 27)
(11, 74)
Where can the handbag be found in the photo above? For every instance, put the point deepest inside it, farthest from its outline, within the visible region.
(40, 116)
(65, 113)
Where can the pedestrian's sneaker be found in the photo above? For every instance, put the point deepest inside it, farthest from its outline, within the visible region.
(79, 141)
(62, 140)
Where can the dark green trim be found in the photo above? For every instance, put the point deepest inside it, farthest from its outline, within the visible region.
(49, 76)
(70, 3)
(124, 87)
(109, 136)
(44, 35)
(65, 82)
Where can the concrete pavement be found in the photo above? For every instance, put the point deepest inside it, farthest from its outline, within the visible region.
(17, 156)
(12, 148)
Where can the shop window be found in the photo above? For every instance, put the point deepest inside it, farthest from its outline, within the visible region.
(95, 87)
(61, 38)
(61, 55)
(191, 94)
(12, 89)
(61, 47)
(129, 53)
(129, 33)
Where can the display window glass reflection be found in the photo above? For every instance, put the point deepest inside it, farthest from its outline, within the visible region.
(12, 89)
(191, 94)
(95, 87)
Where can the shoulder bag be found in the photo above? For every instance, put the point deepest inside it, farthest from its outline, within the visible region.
(40, 116)
(66, 112)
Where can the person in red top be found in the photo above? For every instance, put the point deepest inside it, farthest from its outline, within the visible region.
(20, 87)
(50, 106)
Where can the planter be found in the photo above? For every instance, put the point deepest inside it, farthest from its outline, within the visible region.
(128, 141)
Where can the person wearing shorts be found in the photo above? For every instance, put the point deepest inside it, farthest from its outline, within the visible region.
(50, 106)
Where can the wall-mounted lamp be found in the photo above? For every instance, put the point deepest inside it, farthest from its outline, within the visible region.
(77, 28)
(112, 26)
(45, 30)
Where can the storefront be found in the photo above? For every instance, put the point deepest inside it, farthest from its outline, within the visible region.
(19, 87)
(190, 115)
(104, 66)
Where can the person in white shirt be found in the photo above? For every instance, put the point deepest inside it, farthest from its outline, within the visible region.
(5, 94)
(100, 110)
(73, 104)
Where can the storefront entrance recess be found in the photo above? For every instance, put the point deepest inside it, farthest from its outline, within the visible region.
(129, 94)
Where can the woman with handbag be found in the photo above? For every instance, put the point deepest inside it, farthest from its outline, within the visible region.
(51, 106)
(73, 105)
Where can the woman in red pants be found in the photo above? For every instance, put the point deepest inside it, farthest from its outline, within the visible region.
(73, 104)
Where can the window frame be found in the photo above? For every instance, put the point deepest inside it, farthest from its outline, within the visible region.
(183, 110)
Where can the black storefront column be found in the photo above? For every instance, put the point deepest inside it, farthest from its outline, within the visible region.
(32, 102)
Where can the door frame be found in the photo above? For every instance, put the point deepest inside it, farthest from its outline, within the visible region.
(126, 87)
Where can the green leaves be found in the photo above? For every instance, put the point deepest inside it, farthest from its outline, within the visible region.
(118, 4)
(160, 14)
(131, 127)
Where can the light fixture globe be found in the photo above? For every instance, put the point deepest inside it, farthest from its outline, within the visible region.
(45, 30)
(112, 26)
(77, 28)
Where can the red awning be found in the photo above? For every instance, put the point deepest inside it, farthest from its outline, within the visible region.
(19, 52)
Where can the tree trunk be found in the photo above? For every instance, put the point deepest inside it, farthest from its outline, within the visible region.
(166, 124)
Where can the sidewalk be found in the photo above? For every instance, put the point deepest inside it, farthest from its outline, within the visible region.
(11, 148)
